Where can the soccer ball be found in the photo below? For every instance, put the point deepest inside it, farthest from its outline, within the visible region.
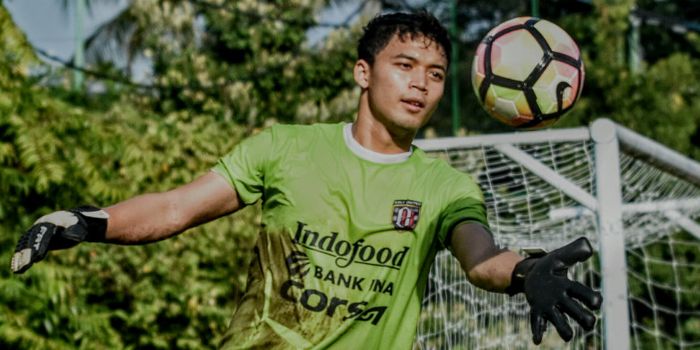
(527, 72)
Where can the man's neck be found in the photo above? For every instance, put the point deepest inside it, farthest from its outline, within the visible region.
(373, 135)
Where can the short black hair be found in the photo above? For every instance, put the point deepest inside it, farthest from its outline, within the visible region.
(380, 30)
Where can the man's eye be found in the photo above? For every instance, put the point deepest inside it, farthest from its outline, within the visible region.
(405, 65)
(437, 75)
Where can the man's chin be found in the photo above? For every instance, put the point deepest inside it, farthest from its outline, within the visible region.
(405, 129)
(412, 124)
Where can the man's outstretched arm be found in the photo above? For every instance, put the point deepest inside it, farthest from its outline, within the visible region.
(486, 265)
(157, 216)
(139, 220)
(543, 279)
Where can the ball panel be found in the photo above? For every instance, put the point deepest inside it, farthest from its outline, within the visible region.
(581, 78)
(508, 24)
(478, 73)
(515, 55)
(570, 74)
(558, 39)
(478, 64)
(507, 105)
(477, 80)
(547, 87)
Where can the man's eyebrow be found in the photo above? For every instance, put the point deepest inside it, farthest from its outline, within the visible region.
(414, 59)
(439, 66)
(403, 55)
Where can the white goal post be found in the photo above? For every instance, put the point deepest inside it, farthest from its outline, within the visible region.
(636, 200)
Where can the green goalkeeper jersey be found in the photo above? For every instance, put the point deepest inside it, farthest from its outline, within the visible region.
(347, 239)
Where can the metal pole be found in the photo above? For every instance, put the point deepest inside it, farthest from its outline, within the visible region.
(535, 8)
(79, 57)
(547, 174)
(454, 68)
(611, 242)
(519, 138)
(659, 155)
(634, 45)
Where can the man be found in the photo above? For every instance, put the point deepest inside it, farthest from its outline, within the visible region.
(353, 216)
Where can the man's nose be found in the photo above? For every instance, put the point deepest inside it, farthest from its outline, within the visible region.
(418, 81)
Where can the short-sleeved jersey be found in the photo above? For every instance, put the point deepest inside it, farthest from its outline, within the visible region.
(347, 239)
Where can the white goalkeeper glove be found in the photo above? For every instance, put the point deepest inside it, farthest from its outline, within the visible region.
(59, 230)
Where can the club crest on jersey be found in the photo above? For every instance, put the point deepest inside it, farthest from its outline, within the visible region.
(406, 214)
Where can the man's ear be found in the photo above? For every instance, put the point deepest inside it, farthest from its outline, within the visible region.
(361, 72)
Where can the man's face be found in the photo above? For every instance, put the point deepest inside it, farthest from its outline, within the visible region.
(405, 83)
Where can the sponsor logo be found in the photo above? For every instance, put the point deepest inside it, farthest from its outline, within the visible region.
(344, 254)
(405, 215)
(347, 253)
(39, 237)
(315, 300)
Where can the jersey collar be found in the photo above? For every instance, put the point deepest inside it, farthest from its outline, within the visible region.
(370, 155)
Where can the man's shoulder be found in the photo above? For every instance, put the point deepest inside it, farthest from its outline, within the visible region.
(436, 163)
(305, 129)
(287, 138)
(441, 171)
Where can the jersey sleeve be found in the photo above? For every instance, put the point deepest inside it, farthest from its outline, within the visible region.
(246, 165)
(466, 204)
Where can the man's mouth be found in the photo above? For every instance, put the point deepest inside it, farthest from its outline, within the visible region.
(413, 105)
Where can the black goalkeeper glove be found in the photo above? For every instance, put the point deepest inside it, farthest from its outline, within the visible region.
(59, 230)
(551, 293)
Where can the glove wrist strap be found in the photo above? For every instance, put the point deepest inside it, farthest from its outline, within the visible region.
(517, 278)
(95, 220)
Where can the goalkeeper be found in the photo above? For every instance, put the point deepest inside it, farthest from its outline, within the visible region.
(353, 216)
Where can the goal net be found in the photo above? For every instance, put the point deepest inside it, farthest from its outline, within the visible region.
(636, 201)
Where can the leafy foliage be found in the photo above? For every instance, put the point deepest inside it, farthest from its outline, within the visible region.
(220, 71)
(100, 296)
(59, 149)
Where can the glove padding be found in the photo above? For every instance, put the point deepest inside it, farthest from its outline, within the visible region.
(551, 293)
(59, 230)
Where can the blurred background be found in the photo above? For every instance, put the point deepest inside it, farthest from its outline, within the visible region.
(101, 100)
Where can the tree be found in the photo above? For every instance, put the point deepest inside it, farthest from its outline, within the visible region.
(58, 151)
